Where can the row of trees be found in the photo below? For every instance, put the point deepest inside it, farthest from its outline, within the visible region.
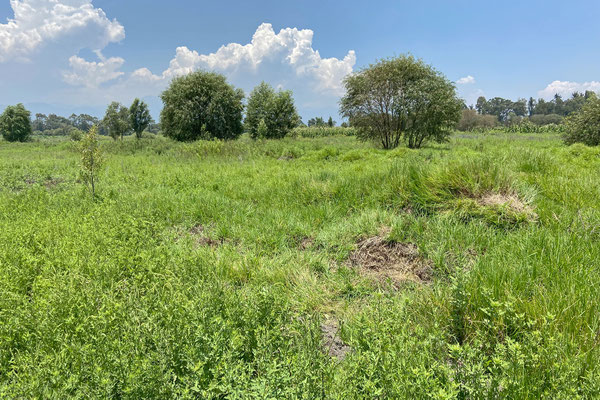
(53, 124)
(202, 105)
(394, 100)
(120, 120)
(540, 111)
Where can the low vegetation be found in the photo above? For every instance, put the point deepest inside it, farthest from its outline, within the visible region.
(301, 268)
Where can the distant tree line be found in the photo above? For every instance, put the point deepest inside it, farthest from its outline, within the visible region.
(394, 100)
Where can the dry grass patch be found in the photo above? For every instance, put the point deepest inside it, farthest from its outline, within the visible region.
(382, 259)
(511, 201)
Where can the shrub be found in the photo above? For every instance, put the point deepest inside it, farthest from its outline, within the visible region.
(584, 126)
(275, 110)
(540, 119)
(472, 121)
(401, 98)
(201, 105)
(15, 123)
(91, 160)
(76, 134)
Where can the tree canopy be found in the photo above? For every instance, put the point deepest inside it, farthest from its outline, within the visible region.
(15, 123)
(202, 105)
(116, 120)
(584, 125)
(275, 109)
(139, 117)
(401, 98)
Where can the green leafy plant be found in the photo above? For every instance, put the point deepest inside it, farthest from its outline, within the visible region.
(91, 160)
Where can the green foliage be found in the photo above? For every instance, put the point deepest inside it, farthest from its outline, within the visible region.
(201, 105)
(116, 120)
(91, 159)
(313, 132)
(400, 98)
(208, 270)
(501, 108)
(472, 121)
(15, 123)
(584, 126)
(270, 115)
(539, 119)
(76, 135)
(139, 117)
(317, 122)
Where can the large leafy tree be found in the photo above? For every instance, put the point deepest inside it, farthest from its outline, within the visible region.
(400, 98)
(584, 125)
(139, 117)
(15, 123)
(201, 105)
(116, 120)
(275, 109)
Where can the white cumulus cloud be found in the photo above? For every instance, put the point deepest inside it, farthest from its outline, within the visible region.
(92, 74)
(566, 88)
(466, 80)
(73, 23)
(290, 51)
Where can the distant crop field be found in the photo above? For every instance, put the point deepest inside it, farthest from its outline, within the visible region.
(314, 266)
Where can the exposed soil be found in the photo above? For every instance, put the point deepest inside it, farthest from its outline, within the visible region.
(306, 243)
(200, 237)
(332, 344)
(385, 260)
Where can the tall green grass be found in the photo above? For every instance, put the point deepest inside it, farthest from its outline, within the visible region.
(116, 297)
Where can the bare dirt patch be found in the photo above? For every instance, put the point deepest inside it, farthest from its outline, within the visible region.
(332, 343)
(198, 232)
(306, 243)
(384, 260)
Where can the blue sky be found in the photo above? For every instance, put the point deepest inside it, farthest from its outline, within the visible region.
(69, 56)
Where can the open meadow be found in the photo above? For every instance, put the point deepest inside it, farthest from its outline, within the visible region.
(301, 268)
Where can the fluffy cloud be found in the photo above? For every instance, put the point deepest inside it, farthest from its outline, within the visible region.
(566, 88)
(39, 22)
(466, 80)
(92, 74)
(290, 49)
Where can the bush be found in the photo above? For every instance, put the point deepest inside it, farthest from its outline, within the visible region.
(584, 126)
(270, 115)
(15, 123)
(472, 121)
(540, 119)
(201, 105)
(76, 134)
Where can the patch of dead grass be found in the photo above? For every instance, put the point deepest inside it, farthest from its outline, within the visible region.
(382, 259)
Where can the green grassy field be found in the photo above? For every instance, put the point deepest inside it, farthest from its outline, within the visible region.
(222, 270)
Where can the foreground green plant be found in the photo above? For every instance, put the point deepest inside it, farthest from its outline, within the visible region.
(92, 159)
